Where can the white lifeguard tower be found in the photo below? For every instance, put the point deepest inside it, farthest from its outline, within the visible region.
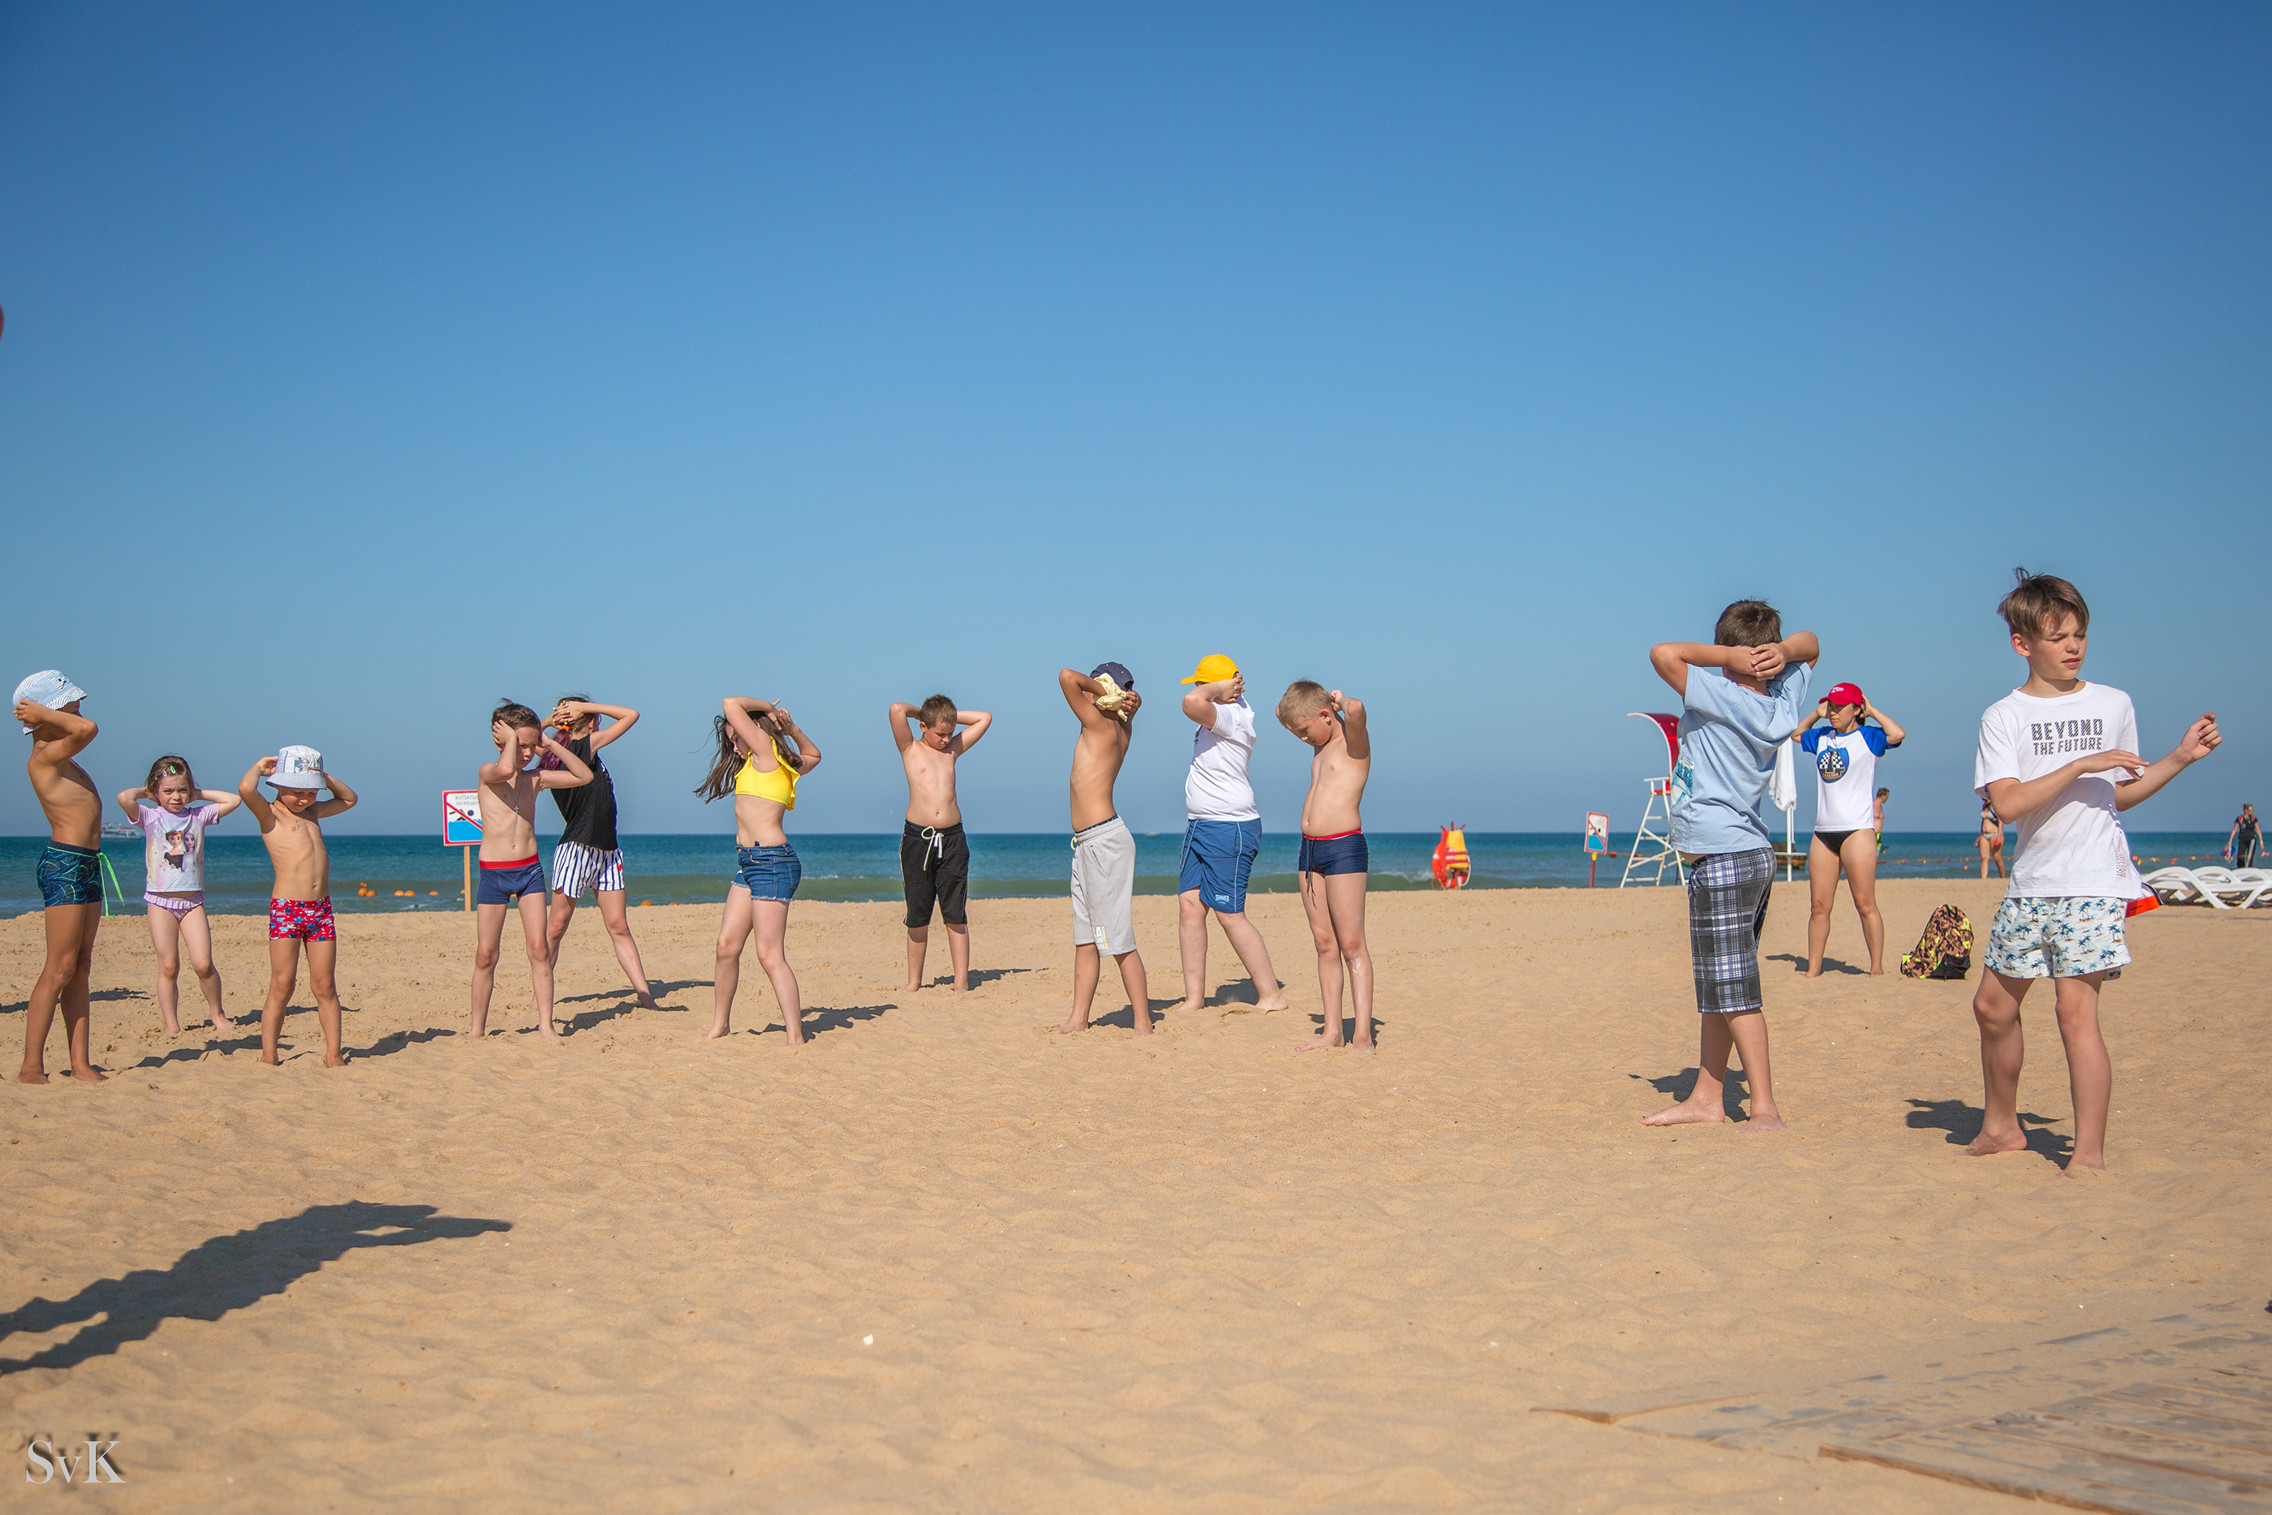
(1652, 851)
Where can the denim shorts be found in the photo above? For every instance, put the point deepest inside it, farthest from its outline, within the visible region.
(768, 873)
(1217, 858)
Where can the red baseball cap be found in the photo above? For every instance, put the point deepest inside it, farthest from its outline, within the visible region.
(1846, 694)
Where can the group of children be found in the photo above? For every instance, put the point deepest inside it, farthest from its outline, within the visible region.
(2057, 755)
(761, 753)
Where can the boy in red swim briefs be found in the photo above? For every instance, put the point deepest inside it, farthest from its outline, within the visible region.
(1334, 859)
(299, 905)
(510, 869)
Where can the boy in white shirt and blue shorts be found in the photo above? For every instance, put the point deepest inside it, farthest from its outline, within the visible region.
(1221, 835)
(1731, 727)
(2057, 757)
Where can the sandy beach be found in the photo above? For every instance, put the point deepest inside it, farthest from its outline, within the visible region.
(942, 1259)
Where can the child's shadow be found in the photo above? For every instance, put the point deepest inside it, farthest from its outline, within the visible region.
(585, 1020)
(658, 988)
(246, 1041)
(819, 1021)
(1798, 963)
(396, 1041)
(24, 1004)
(1125, 1016)
(1678, 1086)
(1348, 1024)
(982, 976)
(1962, 1123)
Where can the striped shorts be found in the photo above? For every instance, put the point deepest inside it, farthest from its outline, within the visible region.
(1727, 906)
(576, 868)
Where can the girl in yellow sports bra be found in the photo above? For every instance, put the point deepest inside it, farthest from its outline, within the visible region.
(761, 754)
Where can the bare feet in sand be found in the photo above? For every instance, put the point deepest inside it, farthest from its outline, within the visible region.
(1686, 1113)
(1762, 1125)
(1072, 1024)
(716, 1030)
(334, 1060)
(1988, 1145)
(1185, 1005)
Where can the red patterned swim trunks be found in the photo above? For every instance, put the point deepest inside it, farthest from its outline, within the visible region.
(308, 919)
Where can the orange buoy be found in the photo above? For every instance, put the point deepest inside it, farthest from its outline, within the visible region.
(1450, 862)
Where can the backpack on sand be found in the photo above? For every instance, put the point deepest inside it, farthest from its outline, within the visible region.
(1945, 950)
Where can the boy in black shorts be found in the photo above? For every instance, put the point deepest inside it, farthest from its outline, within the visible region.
(934, 855)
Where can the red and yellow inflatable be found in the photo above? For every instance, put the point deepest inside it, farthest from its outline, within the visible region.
(1449, 863)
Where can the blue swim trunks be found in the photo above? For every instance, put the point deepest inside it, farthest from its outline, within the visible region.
(501, 881)
(70, 875)
(1344, 852)
(1217, 857)
(769, 873)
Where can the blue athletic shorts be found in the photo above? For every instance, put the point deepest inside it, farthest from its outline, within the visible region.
(70, 875)
(497, 886)
(1217, 857)
(1329, 855)
(769, 873)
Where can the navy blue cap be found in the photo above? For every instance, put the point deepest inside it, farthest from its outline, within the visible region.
(1119, 672)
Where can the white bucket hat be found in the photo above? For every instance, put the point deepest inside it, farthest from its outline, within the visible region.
(50, 688)
(298, 768)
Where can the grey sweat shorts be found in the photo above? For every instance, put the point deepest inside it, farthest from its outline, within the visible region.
(1104, 887)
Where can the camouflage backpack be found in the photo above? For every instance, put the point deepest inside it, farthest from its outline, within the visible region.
(1945, 950)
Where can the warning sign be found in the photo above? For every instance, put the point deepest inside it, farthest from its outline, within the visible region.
(461, 817)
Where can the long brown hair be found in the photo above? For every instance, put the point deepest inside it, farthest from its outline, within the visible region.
(727, 764)
(166, 768)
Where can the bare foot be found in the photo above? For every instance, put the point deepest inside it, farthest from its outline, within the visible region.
(1686, 1113)
(550, 1031)
(647, 1002)
(1185, 1004)
(88, 1076)
(32, 1076)
(1762, 1124)
(334, 1060)
(716, 1031)
(173, 1028)
(1072, 1024)
(1985, 1145)
(272, 1060)
(2085, 1168)
(960, 987)
(1266, 1006)
(1322, 1044)
(1815, 972)
(1362, 1045)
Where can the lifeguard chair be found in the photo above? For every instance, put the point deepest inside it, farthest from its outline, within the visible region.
(1652, 849)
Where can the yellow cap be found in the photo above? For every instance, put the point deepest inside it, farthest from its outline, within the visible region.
(1213, 669)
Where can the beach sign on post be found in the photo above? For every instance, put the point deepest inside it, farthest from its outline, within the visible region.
(461, 827)
(1597, 842)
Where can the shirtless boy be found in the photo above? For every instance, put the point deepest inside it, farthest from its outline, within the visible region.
(1333, 860)
(299, 904)
(1104, 851)
(510, 868)
(934, 855)
(70, 876)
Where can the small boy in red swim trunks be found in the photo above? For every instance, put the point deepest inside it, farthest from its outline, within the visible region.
(299, 905)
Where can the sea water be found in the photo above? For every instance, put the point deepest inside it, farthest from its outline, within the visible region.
(419, 873)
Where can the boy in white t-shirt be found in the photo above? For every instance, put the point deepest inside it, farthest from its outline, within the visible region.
(2057, 757)
(1222, 833)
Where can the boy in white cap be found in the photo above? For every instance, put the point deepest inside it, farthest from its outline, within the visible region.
(1221, 834)
(1104, 852)
(299, 905)
(70, 870)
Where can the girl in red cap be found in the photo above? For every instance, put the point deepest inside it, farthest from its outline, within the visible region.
(1845, 753)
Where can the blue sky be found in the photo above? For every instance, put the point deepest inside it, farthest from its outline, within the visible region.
(362, 365)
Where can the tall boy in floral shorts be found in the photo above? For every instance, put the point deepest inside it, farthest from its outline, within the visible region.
(2057, 757)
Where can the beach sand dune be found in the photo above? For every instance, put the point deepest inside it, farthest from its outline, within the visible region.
(942, 1259)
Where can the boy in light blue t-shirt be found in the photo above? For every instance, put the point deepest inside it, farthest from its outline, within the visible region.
(1730, 726)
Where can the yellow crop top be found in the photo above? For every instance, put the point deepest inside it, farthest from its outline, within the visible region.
(779, 783)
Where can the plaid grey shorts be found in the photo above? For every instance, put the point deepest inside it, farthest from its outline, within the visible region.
(1727, 906)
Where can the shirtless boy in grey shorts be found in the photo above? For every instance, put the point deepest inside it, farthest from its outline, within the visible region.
(1104, 853)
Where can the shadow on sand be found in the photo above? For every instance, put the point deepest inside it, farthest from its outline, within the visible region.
(226, 1273)
(1676, 1087)
(1962, 1123)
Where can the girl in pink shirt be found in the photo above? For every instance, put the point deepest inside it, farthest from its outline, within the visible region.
(173, 814)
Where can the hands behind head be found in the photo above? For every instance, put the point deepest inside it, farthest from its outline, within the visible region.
(500, 733)
(1768, 661)
(31, 713)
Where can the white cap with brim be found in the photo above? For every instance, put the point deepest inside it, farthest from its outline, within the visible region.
(50, 688)
(298, 768)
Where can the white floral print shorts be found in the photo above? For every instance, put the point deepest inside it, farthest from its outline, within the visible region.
(2058, 938)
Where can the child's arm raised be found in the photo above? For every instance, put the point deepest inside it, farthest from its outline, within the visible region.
(572, 773)
(509, 755)
(2201, 739)
(248, 790)
(901, 713)
(1894, 735)
(220, 797)
(68, 734)
(1200, 701)
(127, 797)
(1073, 685)
(974, 725)
(1353, 732)
(1772, 659)
(623, 715)
(808, 755)
(1672, 660)
(342, 798)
